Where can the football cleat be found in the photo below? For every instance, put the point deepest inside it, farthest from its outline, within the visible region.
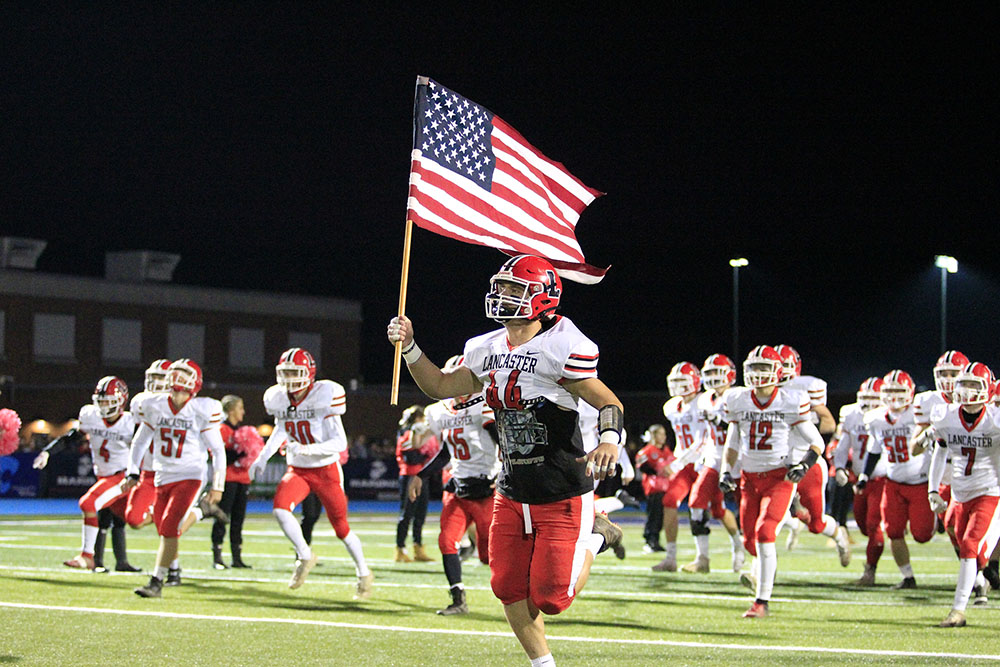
(80, 562)
(739, 558)
(843, 546)
(127, 567)
(457, 606)
(979, 598)
(697, 566)
(173, 577)
(153, 589)
(748, 580)
(364, 587)
(302, 568)
(210, 509)
(612, 535)
(992, 574)
(756, 610)
(466, 552)
(628, 500)
(668, 564)
(906, 584)
(653, 547)
(868, 578)
(954, 619)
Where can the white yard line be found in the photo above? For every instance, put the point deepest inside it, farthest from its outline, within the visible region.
(503, 635)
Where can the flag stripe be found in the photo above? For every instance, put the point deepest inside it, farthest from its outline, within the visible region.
(530, 177)
(526, 186)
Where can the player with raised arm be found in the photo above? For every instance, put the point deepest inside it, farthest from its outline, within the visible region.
(852, 449)
(307, 422)
(182, 429)
(109, 428)
(466, 428)
(681, 411)
(761, 416)
(718, 374)
(534, 371)
(904, 498)
(812, 488)
(968, 428)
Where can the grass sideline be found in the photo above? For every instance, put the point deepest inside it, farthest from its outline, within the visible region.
(627, 615)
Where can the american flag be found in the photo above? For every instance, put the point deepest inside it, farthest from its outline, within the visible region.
(474, 178)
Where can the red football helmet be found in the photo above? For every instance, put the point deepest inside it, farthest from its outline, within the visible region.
(718, 371)
(868, 394)
(947, 368)
(540, 290)
(763, 367)
(791, 362)
(185, 375)
(684, 379)
(296, 369)
(897, 390)
(158, 376)
(974, 385)
(110, 396)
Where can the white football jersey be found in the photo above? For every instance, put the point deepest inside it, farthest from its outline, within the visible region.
(709, 403)
(975, 451)
(135, 407)
(109, 443)
(314, 420)
(764, 427)
(816, 390)
(183, 438)
(689, 426)
(472, 449)
(891, 433)
(854, 441)
(925, 402)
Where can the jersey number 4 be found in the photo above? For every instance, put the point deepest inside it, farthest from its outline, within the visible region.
(511, 399)
(169, 437)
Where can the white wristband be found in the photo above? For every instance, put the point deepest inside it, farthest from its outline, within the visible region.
(614, 437)
(412, 353)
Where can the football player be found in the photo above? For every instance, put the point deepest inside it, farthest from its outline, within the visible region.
(182, 428)
(652, 461)
(467, 430)
(681, 411)
(718, 374)
(904, 497)
(410, 459)
(307, 422)
(852, 448)
(534, 371)
(109, 428)
(969, 429)
(139, 511)
(761, 416)
(812, 488)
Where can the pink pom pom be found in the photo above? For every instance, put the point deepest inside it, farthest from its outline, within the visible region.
(248, 442)
(10, 427)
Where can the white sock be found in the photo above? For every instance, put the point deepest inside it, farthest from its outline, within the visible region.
(794, 523)
(89, 538)
(980, 579)
(701, 546)
(768, 567)
(198, 514)
(736, 542)
(608, 505)
(544, 661)
(293, 531)
(353, 544)
(967, 568)
(593, 543)
(829, 525)
(671, 551)
(906, 570)
(160, 573)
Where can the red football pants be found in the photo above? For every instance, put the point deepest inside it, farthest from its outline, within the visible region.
(328, 485)
(977, 527)
(104, 492)
(705, 492)
(868, 514)
(812, 494)
(537, 551)
(907, 502)
(679, 486)
(456, 515)
(765, 499)
(141, 499)
(173, 502)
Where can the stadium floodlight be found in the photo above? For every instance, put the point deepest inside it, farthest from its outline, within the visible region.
(949, 264)
(740, 261)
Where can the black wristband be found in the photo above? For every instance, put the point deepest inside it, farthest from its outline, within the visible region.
(810, 458)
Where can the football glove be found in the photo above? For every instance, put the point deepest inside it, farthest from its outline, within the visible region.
(861, 483)
(726, 483)
(937, 503)
(841, 477)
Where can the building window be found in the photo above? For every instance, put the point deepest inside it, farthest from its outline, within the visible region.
(246, 348)
(186, 341)
(121, 340)
(54, 337)
(307, 341)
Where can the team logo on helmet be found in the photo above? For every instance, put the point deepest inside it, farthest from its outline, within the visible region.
(296, 370)
(526, 287)
(110, 396)
(763, 367)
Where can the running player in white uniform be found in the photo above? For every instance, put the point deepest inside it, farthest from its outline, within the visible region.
(465, 426)
(969, 430)
(904, 498)
(182, 428)
(307, 421)
(109, 428)
(761, 416)
(852, 449)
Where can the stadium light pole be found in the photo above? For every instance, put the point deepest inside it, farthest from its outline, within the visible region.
(736, 264)
(947, 265)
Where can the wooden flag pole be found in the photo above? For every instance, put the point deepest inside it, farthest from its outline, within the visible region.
(396, 364)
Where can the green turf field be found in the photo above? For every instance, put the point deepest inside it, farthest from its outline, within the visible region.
(627, 615)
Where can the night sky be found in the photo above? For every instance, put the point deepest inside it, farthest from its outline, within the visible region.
(268, 145)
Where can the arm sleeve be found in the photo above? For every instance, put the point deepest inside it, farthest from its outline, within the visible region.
(842, 450)
(70, 438)
(732, 444)
(626, 463)
(140, 441)
(436, 464)
(218, 449)
(810, 433)
(939, 460)
(274, 441)
(335, 438)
